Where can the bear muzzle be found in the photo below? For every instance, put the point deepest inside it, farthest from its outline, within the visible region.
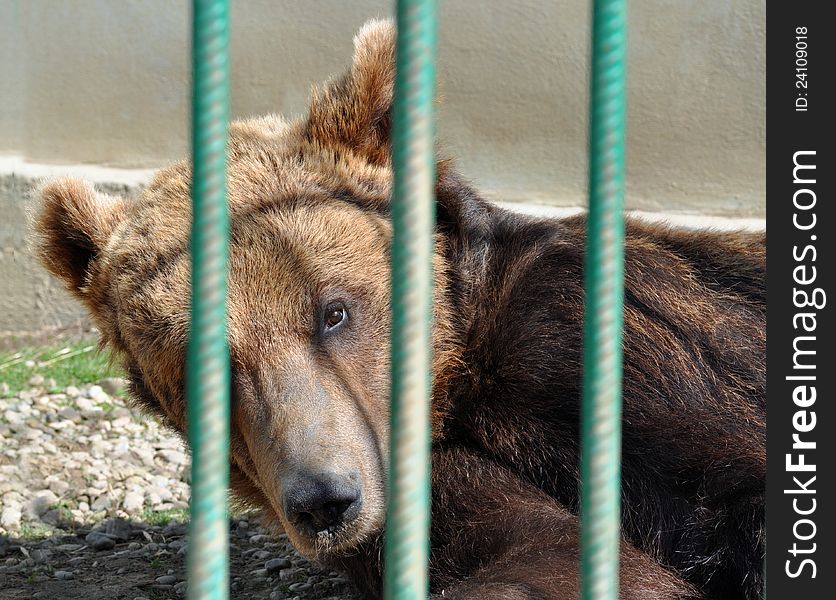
(322, 504)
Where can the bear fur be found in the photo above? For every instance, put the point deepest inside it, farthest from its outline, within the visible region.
(310, 226)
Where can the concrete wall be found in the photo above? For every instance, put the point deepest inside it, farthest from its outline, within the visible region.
(107, 83)
(97, 81)
(34, 305)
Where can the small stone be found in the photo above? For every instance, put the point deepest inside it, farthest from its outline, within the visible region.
(176, 544)
(119, 424)
(51, 517)
(32, 434)
(84, 404)
(113, 385)
(100, 541)
(10, 518)
(13, 417)
(174, 456)
(174, 529)
(92, 414)
(36, 380)
(72, 391)
(63, 575)
(166, 579)
(100, 503)
(259, 573)
(94, 391)
(121, 411)
(41, 555)
(58, 486)
(161, 493)
(119, 529)
(41, 502)
(276, 564)
(70, 414)
(133, 502)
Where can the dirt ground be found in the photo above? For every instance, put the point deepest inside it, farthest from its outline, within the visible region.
(136, 561)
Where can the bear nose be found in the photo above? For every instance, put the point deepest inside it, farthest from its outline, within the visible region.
(323, 502)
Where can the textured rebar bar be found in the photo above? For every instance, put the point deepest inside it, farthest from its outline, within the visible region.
(413, 217)
(604, 286)
(207, 374)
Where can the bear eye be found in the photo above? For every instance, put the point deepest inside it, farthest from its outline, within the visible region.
(335, 315)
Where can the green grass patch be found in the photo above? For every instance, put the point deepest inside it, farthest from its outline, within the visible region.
(161, 518)
(32, 530)
(64, 512)
(71, 363)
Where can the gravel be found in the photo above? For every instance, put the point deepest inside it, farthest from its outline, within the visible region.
(92, 499)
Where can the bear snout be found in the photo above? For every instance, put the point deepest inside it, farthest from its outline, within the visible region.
(322, 503)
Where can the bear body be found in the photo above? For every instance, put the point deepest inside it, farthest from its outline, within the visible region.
(694, 459)
(309, 327)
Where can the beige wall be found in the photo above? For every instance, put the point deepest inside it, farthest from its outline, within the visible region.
(103, 81)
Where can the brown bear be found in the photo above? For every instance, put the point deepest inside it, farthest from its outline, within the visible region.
(309, 327)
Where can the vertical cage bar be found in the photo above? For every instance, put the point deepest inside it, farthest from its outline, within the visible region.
(604, 287)
(413, 218)
(207, 365)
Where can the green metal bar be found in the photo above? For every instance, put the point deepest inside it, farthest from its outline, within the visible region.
(604, 286)
(413, 218)
(207, 369)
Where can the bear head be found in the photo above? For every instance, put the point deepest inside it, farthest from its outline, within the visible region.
(308, 303)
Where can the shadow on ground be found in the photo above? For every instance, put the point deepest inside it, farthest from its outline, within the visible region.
(121, 559)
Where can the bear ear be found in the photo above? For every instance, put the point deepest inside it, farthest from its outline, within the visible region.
(71, 227)
(355, 111)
